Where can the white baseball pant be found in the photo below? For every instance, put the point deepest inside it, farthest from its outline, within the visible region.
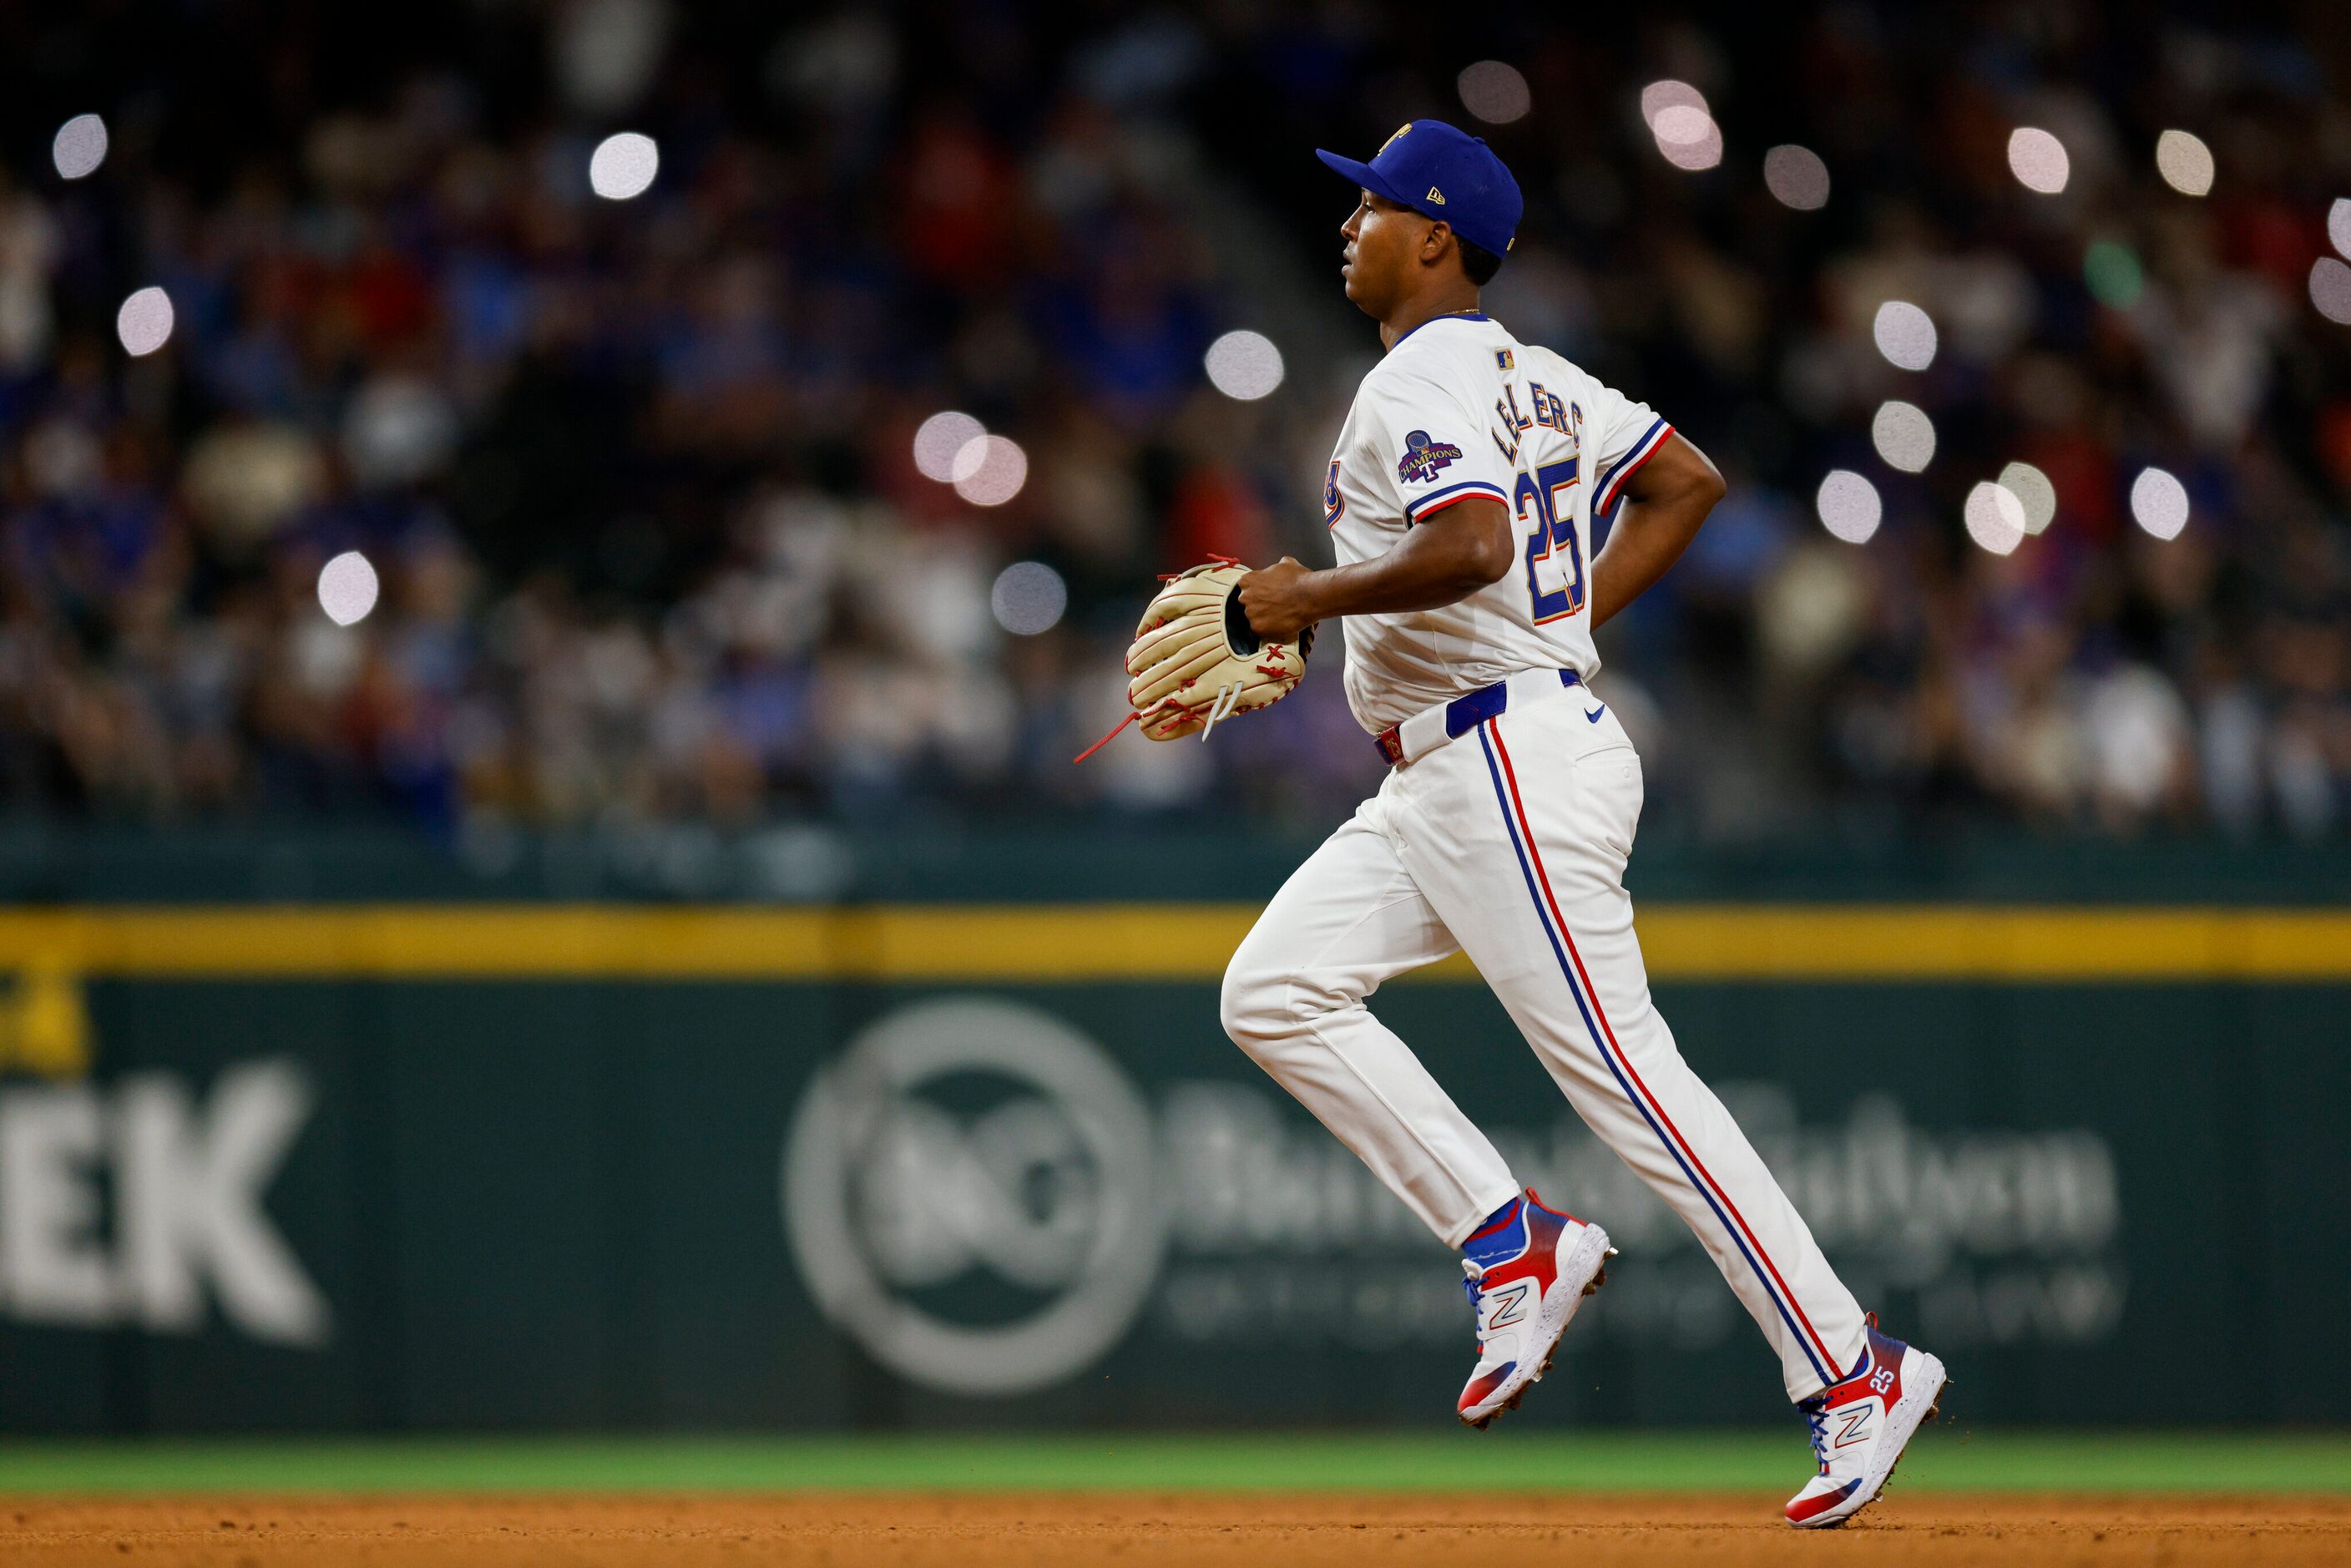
(1509, 843)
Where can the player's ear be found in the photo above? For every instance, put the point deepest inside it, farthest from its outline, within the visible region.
(1433, 244)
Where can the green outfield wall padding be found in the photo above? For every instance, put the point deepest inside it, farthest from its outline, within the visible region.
(388, 1202)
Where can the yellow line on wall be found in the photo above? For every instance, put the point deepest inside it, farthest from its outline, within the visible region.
(1900, 943)
(1133, 942)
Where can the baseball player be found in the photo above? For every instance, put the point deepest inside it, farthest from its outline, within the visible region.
(1463, 501)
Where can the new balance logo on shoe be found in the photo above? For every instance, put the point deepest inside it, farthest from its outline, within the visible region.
(1512, 1305)
(1856, 1427)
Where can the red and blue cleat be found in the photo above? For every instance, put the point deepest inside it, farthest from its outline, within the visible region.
(1860, 1426)
(1528, 1271)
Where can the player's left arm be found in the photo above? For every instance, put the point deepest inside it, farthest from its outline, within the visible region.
(1449, 555)
(1665, 502)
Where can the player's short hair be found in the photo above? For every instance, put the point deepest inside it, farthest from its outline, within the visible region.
(1480, 263)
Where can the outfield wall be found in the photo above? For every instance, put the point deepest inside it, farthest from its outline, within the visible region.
(390, 1168)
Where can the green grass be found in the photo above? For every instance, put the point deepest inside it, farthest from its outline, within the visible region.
(1949, 1461)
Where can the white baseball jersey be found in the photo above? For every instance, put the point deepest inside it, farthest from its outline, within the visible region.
(1460, 408)
(1508, 842)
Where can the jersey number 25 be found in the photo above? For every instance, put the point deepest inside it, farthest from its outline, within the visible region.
(1553, 541)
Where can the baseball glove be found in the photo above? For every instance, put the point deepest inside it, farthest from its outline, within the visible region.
(1194, 661)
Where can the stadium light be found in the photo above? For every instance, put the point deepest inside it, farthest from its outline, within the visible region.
(1660, 95)
(1796, 177)
(623, 167)
(1905, 335)
(1904, 435)
(1494, 92)
(2330, 288)
(144, 323)
(2159, 503)
(1995, 519)
(940, 439)
(2184, 162)
(1028, 598)
(348, 589)
(78, 147)
(1685, 130)
(990, 470)
(1848, 506)
(2038, 160)
(1244, 365)
(2032, 487)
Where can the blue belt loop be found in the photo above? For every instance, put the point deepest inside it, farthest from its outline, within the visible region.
(1463, 715)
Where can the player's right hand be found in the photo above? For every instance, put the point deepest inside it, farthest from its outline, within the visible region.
(1276, 600)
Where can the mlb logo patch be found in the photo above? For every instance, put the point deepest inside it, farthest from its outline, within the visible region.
(1504, 361)
(1423, 457)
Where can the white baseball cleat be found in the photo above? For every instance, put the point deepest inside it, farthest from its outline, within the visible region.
(1527, 1273)
(1860, 1426)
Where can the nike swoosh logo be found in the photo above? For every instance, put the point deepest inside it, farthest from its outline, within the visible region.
(1593, 717)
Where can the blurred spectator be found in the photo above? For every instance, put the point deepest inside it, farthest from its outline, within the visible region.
(640, 477)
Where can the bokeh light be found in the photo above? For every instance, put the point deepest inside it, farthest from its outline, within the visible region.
(939, 438)
(2338, 225)
(1028, 598)
(1660, 95)
(2038, 160)
(1796, 177)
(1995, 519)
(1686, 133)
(967, 459)
(2330, 288)
(2111, 269)
(144, 322)
(1905, 335)
(2184, 162)
(80, 146)
(1682, 125)
(1689, 138)
(989, 471)
(1495, 92)
(1904, 435)
(1244, 365)
(2159, 503)
(623, 167)
(348, 589)
(1848, 506)
(2032, 489)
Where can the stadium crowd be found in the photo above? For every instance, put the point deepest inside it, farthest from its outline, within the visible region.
(638, 476)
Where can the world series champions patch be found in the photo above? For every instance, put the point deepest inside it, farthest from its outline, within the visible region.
(1423, 457)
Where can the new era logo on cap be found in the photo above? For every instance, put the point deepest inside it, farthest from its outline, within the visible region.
(1465, 183)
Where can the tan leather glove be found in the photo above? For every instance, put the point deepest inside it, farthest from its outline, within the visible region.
(1195, 662)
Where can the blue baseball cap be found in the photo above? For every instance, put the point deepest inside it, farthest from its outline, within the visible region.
(1441, 171)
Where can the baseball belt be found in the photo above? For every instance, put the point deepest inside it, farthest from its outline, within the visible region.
(1406, 743)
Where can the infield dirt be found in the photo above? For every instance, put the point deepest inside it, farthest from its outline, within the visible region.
(1297, 1530)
